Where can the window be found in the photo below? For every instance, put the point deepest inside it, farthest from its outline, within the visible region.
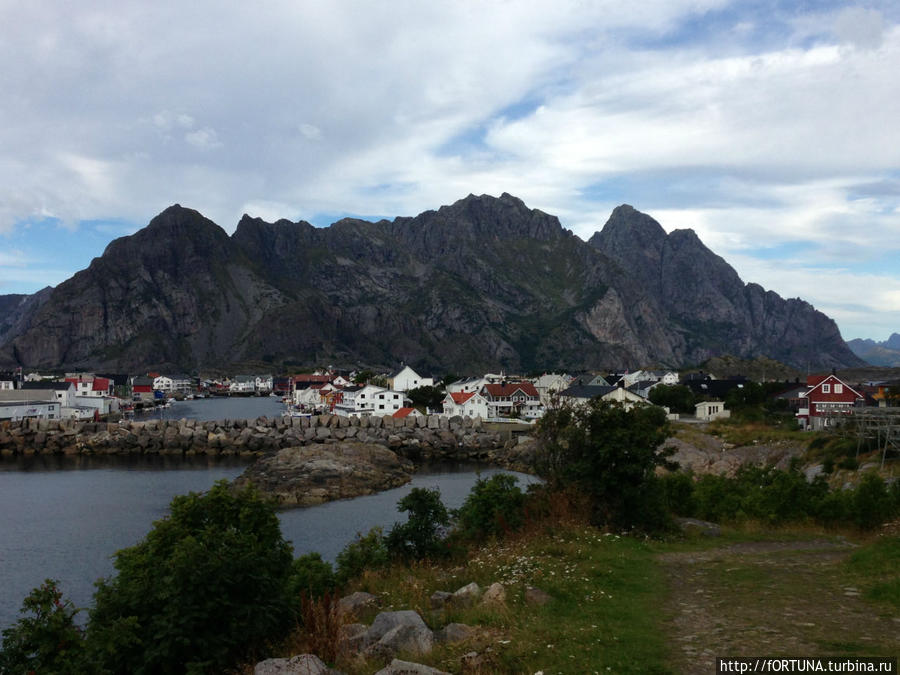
(381, 407)
(838, 389)
(826, 388)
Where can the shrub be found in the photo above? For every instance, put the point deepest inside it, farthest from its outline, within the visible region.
(420, 536)
(48, 641)
(311, 576)
(678, 489)
(493, 507)
(611, 454)
(365, 552)
(872, 502)
(206, 587)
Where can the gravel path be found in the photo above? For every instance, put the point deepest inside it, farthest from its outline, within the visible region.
(787, 599)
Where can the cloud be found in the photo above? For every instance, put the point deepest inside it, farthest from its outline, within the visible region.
(861, 27)
(757, 125)
(204, 139)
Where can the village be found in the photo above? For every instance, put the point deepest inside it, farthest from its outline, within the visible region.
(815, 404)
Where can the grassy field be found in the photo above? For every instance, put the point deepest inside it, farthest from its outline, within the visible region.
(629, 605)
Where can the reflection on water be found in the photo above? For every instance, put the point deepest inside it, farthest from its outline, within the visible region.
(64, 517)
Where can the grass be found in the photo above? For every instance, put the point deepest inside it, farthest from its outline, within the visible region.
(626, 604)
(876, 569)
(602, 616)
(752, 433)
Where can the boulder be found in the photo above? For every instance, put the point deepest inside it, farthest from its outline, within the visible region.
(304, 664)
(405, 638)
(467, 595)
(439, 599)
(494, 595)
(387, 621)
(702, 527)
(355, 602)
(398, 667)
(453, 633)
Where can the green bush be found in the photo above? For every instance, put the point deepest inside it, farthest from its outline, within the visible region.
(206, 587)
(365, 552)
(494, 506)
(420, 536)
(610, 454)
(678, 488)
(311, 576)
(45, 639)
(872, 502)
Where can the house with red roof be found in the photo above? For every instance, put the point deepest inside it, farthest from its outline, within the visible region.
(404, 413)
(513, 399)
(465, 404)
(827, 400)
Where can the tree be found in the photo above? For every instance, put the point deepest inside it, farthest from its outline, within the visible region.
(494, 506)
(676, 397)
(48, 641)
(420, 536)
(610, 454)
(206, 587)
(426, 397)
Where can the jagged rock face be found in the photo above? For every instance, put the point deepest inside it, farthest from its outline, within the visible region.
(485, 283)
(707, 310)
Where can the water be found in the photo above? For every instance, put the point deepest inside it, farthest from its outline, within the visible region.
(64, 518)
(218, 408)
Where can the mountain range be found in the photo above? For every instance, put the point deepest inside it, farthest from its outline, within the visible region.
(485, 283)
(885, 353)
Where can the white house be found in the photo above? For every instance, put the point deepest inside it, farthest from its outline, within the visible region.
(386, 402)
(64, 391)
(465, 404)
(407, 379)
(712, 410)
(466, 385)
(309, 397)
(581, 394)
(18, 404)
(513, 399)
(163, 383)
(243, 384)
(549, 385)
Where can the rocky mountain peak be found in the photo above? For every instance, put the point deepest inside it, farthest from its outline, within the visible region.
(627, 229)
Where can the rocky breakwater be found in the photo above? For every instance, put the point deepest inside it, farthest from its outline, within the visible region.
(303, 476)
(430, 438)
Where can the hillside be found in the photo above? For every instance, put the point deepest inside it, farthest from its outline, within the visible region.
(485, 283)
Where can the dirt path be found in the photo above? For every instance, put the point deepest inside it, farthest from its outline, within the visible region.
(770, 599)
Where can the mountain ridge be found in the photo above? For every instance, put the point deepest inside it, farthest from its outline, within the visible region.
(483, 283)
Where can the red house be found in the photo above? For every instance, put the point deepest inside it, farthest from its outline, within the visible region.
(827, 397)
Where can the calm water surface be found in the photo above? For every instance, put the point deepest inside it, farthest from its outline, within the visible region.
(63, 518)
(218, 408)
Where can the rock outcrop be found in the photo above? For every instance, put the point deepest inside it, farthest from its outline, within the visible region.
(304, 476)
(483, 284)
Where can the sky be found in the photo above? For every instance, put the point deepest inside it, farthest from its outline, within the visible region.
(770, 128)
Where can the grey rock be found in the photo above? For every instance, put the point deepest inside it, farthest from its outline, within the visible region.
(494, 595)
(453, 633)
(386, 621)
(466, 595)
(439, 599)
(398, 667)
(353, 603)
(304, 664)
(406, 639)
(703, 527)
